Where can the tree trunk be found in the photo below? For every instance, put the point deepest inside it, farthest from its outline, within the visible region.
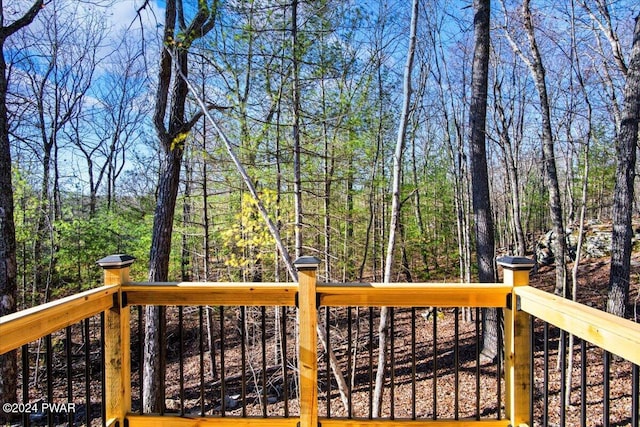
(626, 143)
(485, 243)
(169, 107)
(548, 155)
(583, 198)
(155, 321)
(371, 229)
(297, 184)
(383, 327)
(8, 266)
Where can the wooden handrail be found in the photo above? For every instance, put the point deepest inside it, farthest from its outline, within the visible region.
(208, 293)
(519, 301)
(173, 420)
(414, 294)
(616, 335)
(28, 325)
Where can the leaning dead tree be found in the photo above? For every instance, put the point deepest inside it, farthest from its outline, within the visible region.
(273, 230)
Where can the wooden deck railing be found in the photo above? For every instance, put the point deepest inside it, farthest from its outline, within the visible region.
(518, 301)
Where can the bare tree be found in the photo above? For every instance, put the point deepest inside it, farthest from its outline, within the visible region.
(113, 122)
(8, 267)
(508, 118)
(452, 119)
(537, 69)
(57, 72)
(297, 184)
(383, 332)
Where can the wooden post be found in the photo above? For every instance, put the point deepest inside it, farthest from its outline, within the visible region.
(308, 318)
(117, 341)
(517, 344)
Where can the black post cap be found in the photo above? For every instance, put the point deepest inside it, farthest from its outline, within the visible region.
(306, 262)
(516, 262)
(116, 261)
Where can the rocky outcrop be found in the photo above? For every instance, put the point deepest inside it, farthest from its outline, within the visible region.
(596, 244)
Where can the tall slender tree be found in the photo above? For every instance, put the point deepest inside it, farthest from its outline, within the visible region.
(8, 266)
(394, 226)
(538, 72)
(485, 241)
(626, 145)
(172, 128)
(297, 179)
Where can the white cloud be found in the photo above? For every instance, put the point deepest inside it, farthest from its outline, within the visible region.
(131, 14)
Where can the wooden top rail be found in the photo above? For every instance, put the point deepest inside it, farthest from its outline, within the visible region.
(28, 325)
(330, 294)
(612, 333)
(414, 294)
(211, 293)
(194, 421)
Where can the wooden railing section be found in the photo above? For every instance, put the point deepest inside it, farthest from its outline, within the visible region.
(514, 296)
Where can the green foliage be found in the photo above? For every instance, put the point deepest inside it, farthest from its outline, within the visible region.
(77, 240)
(26, 205)
(602, 170)
(84, 240)
(535, 203)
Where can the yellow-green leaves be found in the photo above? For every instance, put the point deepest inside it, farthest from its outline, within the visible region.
(178, 140)
(248, 239)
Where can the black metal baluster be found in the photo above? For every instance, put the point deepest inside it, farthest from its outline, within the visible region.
(141, 358)
(499, 357)
(201, 357)
(223, 388)
(243, 351)
(477, 321)
(456, 363)
(413, 363)
(606, 389)
(103, 385)
(181, 356)
(349, 362)
(635, 396)
(25, 383)
(392, 363)
(532, 357)
(327, 326)
(49, 369)
(583, 383)
(87, 371)
(434, 316)
(69, 355)
(370, 363)
(163, 354)
(263, 335)
(562, 354)
(545, 381)
(285, 359)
